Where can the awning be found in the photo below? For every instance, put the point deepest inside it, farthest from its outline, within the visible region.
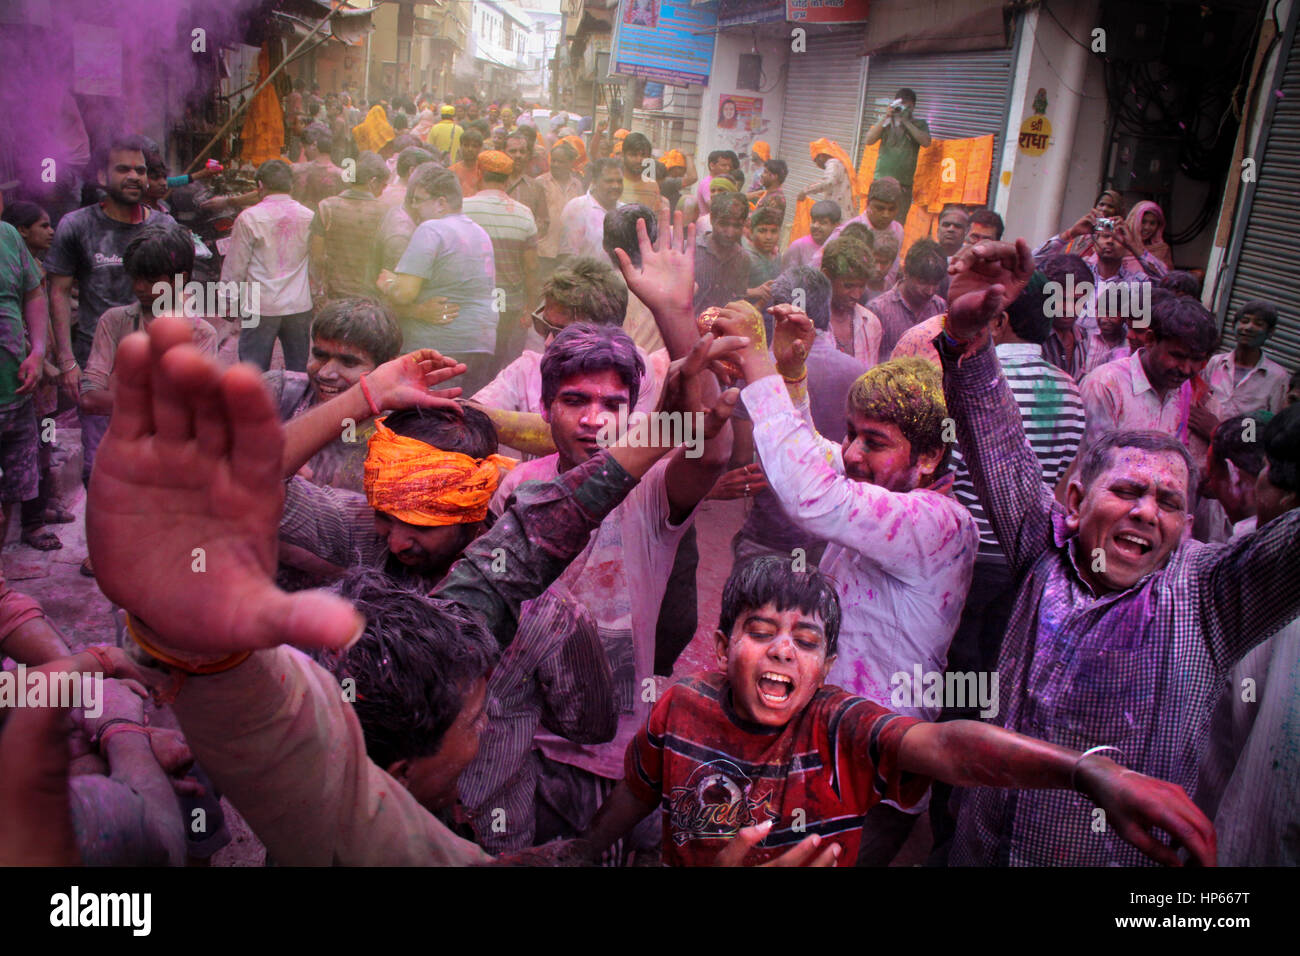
(938, 26)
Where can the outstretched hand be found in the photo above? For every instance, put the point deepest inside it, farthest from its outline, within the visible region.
(185, 503)
(665, 280)
(1136, 805)
(986, 277)
(411, 380)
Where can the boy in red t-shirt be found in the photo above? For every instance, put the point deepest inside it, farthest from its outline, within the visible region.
(766, 745)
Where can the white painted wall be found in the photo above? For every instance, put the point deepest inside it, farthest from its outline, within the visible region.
(722, 82)
(1039, 195)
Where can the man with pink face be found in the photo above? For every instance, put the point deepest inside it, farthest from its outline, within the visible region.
(748, 759)
(1123, 629)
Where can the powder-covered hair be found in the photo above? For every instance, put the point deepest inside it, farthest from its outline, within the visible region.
(583, 348)
(590, 289)
(770, 579)
(906, 392)
(414, 666)
(363, 323)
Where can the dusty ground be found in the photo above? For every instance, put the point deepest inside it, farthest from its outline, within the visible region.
(78, 608)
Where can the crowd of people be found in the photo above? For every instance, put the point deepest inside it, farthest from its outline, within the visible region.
(1020, 546)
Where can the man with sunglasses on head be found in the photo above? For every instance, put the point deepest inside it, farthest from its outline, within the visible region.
(584, 290)
(442, 288)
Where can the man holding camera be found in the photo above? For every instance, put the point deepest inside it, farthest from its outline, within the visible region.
(901, 136)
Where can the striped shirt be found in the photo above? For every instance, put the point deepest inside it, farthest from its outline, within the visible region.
(555, 673)
(714, 772)
(513, 232)
(1051, 412)
(1138, 669)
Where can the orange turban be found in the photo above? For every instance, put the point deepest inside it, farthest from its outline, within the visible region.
(763, 150)
(620, 133)
(375, 132)
(674, 158)
(580, 148)
(416, 483)
(495, 161)
(831, 148)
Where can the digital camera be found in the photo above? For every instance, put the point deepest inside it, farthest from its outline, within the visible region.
(1105, 225)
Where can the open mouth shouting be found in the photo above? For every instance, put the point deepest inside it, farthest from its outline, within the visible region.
(1132, 545)
(775, 689)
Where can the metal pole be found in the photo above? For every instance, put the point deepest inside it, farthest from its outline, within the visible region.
(261, 86)
(365, 82)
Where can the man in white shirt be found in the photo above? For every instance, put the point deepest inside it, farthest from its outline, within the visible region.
(901, 554)
(590, 375)
(582, 223)
(1245, 379)
(269, 246)
(586, 290)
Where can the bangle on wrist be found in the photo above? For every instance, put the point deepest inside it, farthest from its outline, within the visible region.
(69, 367)
(797, 379)
(193, 665)
(100, 654)
(1074, 771)
(98, 736)
(370, 399)
(124, 727)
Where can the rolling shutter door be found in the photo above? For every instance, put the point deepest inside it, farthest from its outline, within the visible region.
(823, 97)
(1267, 267)
(959, 95)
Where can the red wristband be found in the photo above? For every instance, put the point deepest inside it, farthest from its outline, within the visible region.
(370, 399)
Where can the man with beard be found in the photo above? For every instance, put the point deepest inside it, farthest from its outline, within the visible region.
(88, 246)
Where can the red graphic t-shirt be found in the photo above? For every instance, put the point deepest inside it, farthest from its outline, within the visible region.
(714, 772)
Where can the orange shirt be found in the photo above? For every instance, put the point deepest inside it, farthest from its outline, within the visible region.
(468, 176)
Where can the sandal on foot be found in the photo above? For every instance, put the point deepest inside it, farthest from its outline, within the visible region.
(86, 569)
(41, 540)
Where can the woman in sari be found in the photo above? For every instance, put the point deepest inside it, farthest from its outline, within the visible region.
(1147, 222)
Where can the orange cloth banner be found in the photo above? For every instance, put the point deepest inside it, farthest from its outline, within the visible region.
(967, 162)
(262, 137)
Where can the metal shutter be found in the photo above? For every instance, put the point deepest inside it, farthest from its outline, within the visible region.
(959, 95)
(823, 97)
(1267, 267)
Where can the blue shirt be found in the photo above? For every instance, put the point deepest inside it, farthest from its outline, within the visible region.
(453, 255)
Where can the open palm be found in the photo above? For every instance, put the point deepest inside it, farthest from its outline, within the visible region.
(185, 502)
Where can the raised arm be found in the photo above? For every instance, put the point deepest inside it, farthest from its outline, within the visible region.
(1003, 467)
(408, 381)
(547, 524)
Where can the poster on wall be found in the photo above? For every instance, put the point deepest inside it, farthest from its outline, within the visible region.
(826, 11)
(667, 41)
(740, 122)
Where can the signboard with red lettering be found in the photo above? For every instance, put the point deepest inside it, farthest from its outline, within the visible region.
(826, 11)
